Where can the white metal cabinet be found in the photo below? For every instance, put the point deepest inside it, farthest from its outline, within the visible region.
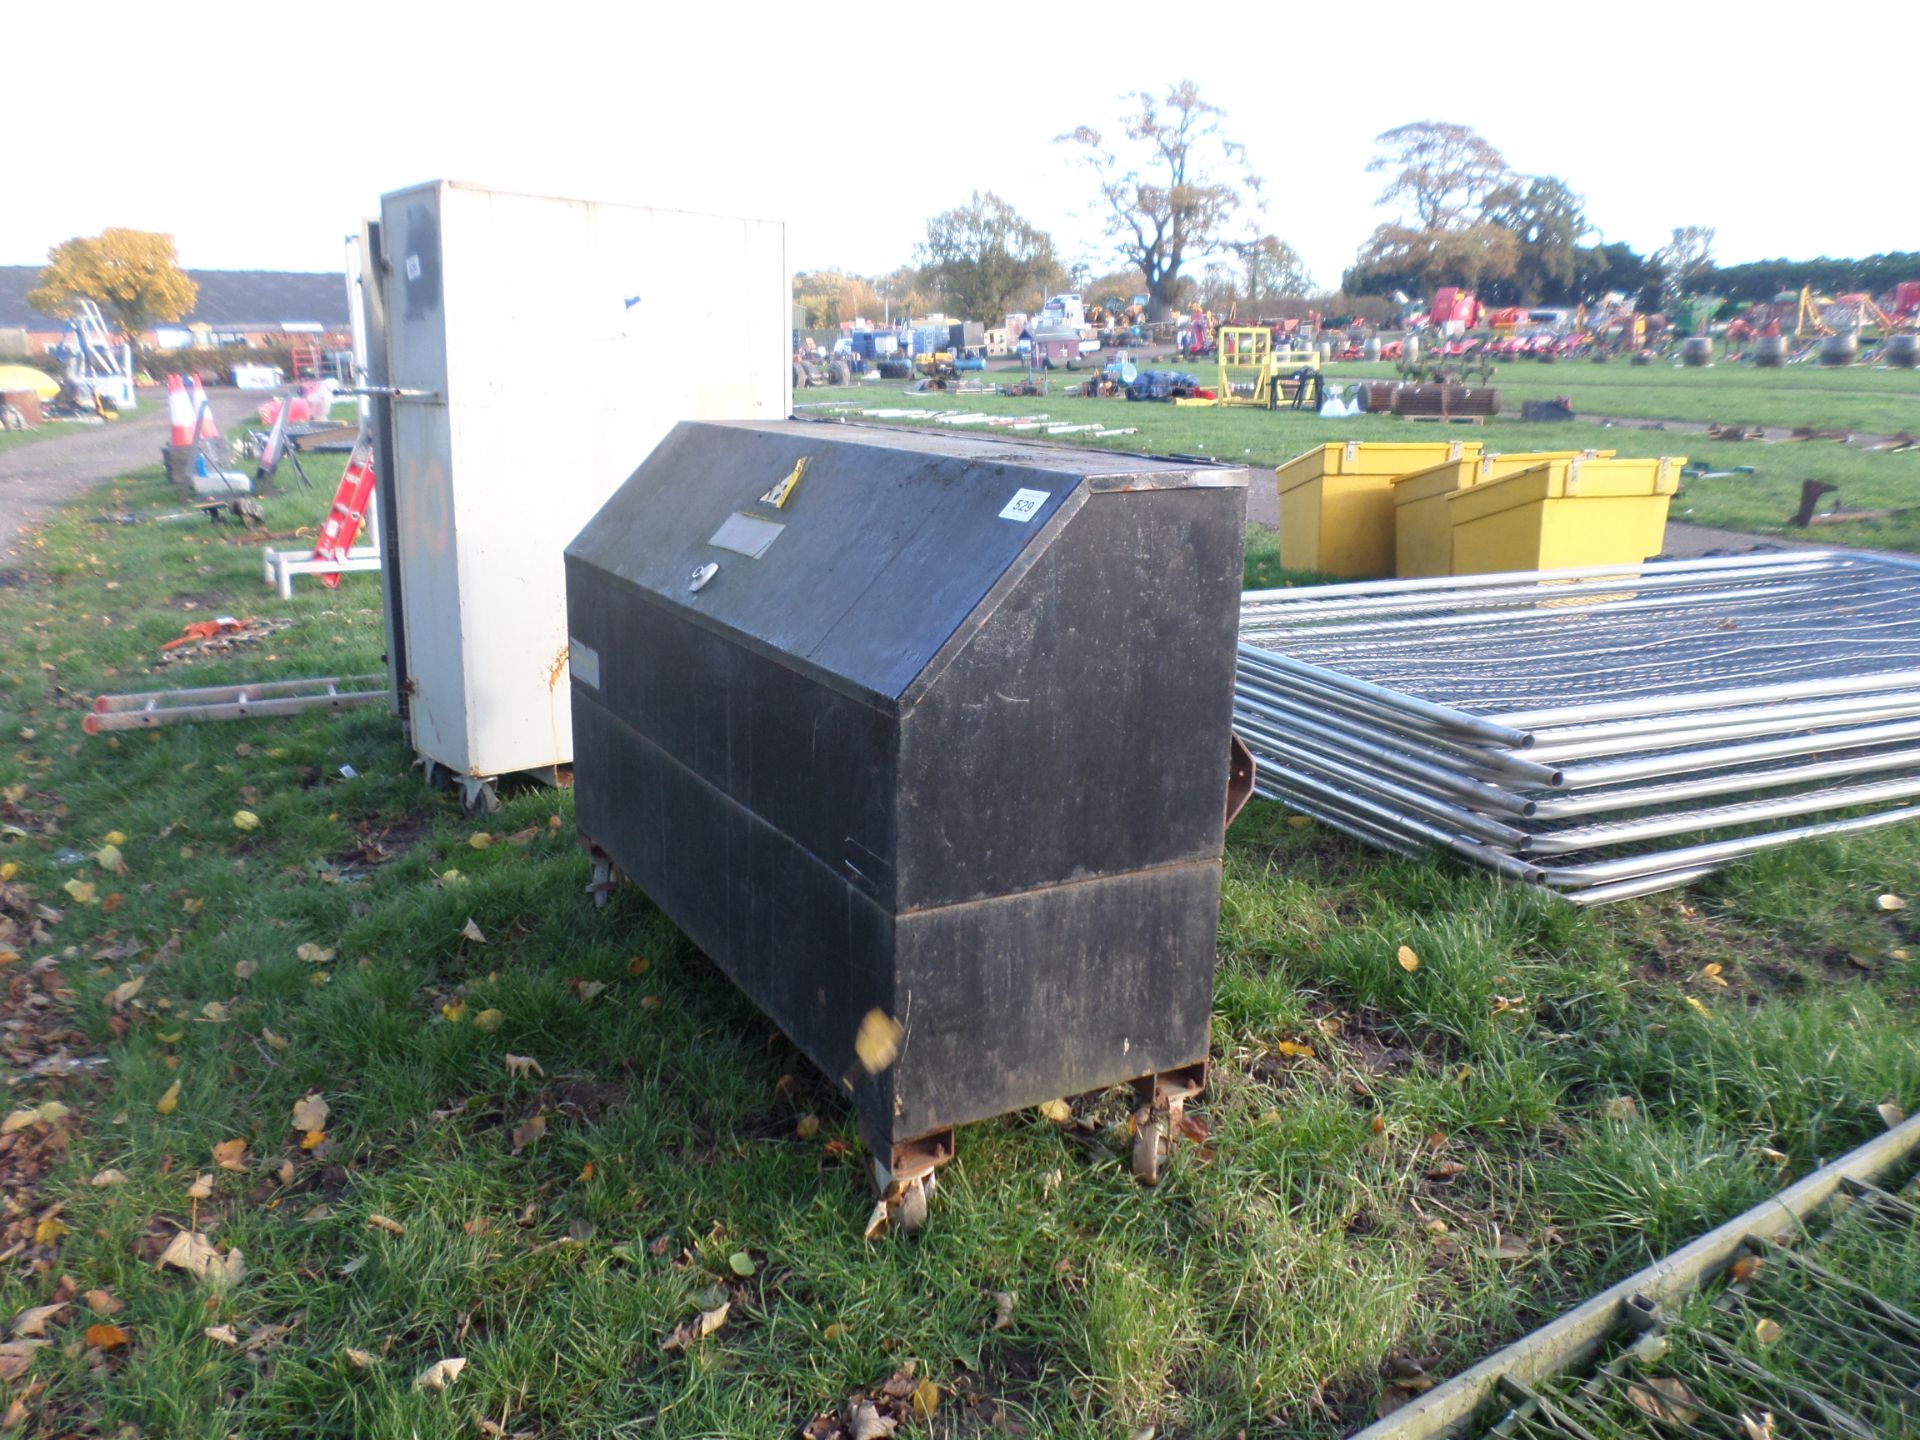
(541, 347)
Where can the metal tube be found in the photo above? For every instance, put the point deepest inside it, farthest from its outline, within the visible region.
(105, 704)
(1632, 889)
(1573, 806)
(1788, 715)
(1748, 812)
(101, 722)
(1718, 699)
(1640, 767)
(1630, 866)
(1394, 701)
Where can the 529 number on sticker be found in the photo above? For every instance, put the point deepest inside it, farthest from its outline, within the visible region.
(1024, 505)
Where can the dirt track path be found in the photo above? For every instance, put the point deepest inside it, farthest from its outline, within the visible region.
(67, 460)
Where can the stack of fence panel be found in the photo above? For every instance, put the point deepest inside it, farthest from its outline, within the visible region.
(1603, 733)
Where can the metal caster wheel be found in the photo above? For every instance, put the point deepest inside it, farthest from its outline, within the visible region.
(1152, 1144)
(903, 1205)
(478, 797)
(602, 883)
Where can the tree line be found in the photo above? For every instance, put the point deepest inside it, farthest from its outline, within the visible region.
(1183, 214)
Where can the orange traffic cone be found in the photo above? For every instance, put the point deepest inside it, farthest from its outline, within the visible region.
(179, 412)
(204, 425)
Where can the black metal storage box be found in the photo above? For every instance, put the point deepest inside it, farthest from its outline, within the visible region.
(944, 735)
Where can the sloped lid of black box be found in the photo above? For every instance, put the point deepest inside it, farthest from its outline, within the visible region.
(884, 545)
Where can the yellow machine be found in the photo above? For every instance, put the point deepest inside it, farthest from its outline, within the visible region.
(1250, 367)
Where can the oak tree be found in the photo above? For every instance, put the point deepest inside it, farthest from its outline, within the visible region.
(134, 276)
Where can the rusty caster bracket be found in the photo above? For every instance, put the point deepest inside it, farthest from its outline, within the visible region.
(903, 1179)
(1241, 772)
(607, 876)
(1162, 1101)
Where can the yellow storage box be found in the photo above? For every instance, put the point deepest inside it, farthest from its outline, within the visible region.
(1336, 502)
(1422, 524)
(1561, 514)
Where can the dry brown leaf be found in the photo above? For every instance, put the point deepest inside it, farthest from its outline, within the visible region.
(50, 1229)
(528, 1132)
(926, 1400)
(1058, 1111)
(1675, 1399)
(360, 1359)
(125, 991)
(1744, 1268)
(106, 1337)
(16, 1356)
(108, 1177)
(310, 1112)
(102, 1302)
(807, 1126)
(386, 1223)
(1767, 1331)
(877, 1041)
(1505, 1247)
(440, 1374)
(169, 1100)
(230, 1154)
(1757, 1427)
(1446, 1170)
(471, 931)
(201, 1188)
(867, 1423)
(245, 969)
(1621, 1107)
(49, 1113)
(1409, 961)
(1892, 1114)
(1002, 1310)
(698, 1328)
(34, 1321)
(221, 1334)
(194, 1253)
(524, 1064)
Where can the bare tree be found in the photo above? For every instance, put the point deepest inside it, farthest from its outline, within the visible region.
(1170, 190)
(1686, 260)
(1450, 175)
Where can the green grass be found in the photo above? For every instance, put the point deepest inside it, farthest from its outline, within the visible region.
(1263, 1287)
(1758, 504)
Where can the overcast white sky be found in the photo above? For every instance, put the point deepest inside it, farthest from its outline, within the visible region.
(854, 123)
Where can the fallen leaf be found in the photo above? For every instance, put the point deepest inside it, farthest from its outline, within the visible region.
(102, 1302)
(698, 1328)
(867, 1423)
(386, 1223)
(741, 1263)
(314, 954)
(310, 1112)
(169, 1101)
(471, 931)
(522, 1064)
(245, 969)
(926, 1400)
(125, 991)
(1002, 1310)
(34, 1321)
(877, 1041)
(360, 1359)
(1892, 1114)
(108, 857)
(1293, 1048)
(479, 840)
(245, 820)
(528, 1132)
(1058, 1111)
(106, 1337)
(285, 1173)
(1890, 902)
(313, 1139)
(1711, 974)
(440, 1374)
(274, 1042)
(230, 1154)
(194, 1253)
(488, 1021)
(639, 965)
(1507, 1248)
(201, 1188)
(47, 1113)
(833, 1332)
(1694, 1002)
(1744, 1268)
(454, 1011)
(221, 1334)
(807, 1127)
(214, 1011)
(1671, 1400)
(1767, 1331)
(82, 891)
(1447, 1170)
(16, 1356)
(1758, 1427)
(1409, 961)
(1621, 1107)
(587, 989)
(108, 1177)
(112, 837)
(50, 1229)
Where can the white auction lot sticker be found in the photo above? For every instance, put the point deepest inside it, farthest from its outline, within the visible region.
(1024, 505)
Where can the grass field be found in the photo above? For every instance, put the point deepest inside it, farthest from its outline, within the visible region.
(1760, 504)
(1856, 397)
(1400, 1167)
